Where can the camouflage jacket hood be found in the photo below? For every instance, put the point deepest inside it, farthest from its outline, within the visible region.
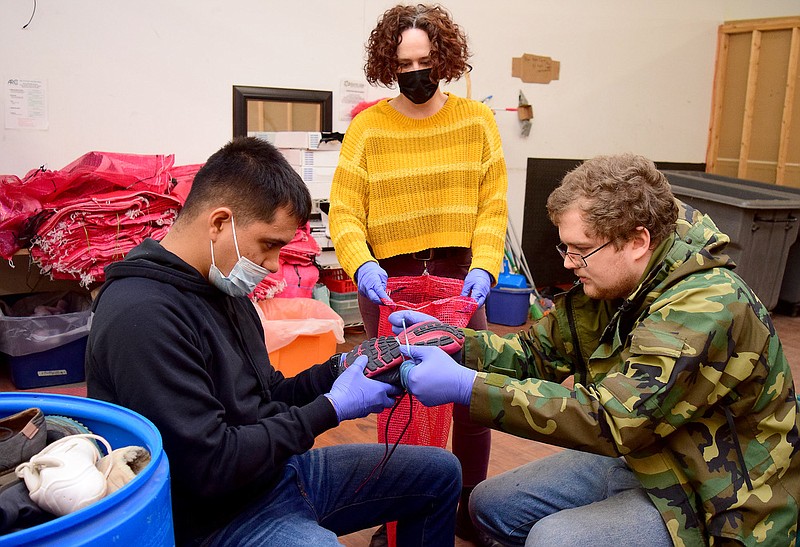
(686, 379)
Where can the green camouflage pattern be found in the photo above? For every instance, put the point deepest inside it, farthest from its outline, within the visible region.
(686, 379)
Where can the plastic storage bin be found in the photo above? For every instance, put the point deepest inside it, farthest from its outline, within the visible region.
(760, 219)
(337, 281)
(60, 365)
(299, 332)
(789, 297)
(508, 306)
(45, 350)
(346, 305)
(140, 513)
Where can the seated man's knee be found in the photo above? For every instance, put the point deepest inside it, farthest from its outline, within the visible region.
(485, 504)
(549, 531)
(441, 463)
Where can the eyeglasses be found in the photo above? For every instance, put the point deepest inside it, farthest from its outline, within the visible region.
(578, 260)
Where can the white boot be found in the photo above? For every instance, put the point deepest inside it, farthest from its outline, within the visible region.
(63, 478)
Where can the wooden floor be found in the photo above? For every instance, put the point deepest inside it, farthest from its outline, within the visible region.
(508, 451)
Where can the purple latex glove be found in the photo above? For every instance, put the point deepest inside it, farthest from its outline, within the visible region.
(477, 284)
(410, 318)
(434, 377)
(353, 395)
(371, 280)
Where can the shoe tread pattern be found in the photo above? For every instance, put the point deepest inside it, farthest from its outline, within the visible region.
(434, 333)
(383, 353)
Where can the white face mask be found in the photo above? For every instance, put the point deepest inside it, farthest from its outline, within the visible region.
(244, 276)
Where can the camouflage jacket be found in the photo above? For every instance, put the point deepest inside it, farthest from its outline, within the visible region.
(686, 379)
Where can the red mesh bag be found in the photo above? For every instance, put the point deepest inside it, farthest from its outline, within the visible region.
(439, 297)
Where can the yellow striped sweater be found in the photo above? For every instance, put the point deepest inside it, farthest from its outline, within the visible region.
(404, 185)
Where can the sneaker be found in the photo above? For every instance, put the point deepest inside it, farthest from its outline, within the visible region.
(384, 355)
(22, 436)
(63, 477)
(433, 333)
(59, 427)
(125, 464)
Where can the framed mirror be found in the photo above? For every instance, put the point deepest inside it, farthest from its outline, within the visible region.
(281, 109)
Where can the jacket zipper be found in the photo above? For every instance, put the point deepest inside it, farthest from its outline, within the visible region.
(575, 343)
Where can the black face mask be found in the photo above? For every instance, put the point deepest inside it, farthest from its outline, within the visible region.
(417, 85)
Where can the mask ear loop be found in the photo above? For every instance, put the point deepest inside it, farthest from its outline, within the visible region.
(235, 241)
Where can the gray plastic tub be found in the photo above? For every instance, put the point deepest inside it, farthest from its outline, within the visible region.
(761, 220)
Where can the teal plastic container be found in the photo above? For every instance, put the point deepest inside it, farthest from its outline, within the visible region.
(140, 513)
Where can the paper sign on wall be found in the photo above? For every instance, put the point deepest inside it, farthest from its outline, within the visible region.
(351, 92)
(535, 69)
(26, 104)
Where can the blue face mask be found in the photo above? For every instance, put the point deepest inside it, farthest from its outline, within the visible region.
(244, 276)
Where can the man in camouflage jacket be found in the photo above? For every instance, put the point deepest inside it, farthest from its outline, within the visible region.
(677, 370)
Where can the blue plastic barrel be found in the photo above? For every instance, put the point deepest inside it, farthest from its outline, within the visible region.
(140, 513)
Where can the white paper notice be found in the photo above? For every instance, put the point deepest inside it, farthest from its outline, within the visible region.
(351, 93)
(26, 104)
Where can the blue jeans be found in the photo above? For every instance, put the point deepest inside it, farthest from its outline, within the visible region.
(316, 500)
(569, 498)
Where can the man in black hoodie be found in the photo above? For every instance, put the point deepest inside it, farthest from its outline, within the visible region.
(175, 338)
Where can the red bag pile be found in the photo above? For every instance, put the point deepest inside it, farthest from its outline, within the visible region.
(79, 219)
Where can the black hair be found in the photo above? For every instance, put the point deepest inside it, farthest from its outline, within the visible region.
(253, 178)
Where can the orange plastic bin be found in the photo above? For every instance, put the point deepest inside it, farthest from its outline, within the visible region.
(299, 332)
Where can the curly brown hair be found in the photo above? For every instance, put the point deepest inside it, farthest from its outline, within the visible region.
(617, 194)
(449, 49)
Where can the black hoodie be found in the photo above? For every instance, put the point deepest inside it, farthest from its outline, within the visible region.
(167, 344)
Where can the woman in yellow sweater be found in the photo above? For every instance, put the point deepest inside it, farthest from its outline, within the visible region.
(421, 186)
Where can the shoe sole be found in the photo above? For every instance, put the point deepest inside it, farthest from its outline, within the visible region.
(383, 353)
(434, 333)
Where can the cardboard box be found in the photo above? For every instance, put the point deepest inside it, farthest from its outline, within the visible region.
(316, 174)
(319, 190)
(301, 158)
(320, 158)
(289, 139)
(293, 155)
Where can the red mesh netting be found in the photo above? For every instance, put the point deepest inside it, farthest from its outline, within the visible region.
(439, 297)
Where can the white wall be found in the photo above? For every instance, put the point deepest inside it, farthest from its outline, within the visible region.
(156, 76)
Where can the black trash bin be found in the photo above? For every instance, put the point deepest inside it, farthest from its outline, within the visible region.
(761, 220)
